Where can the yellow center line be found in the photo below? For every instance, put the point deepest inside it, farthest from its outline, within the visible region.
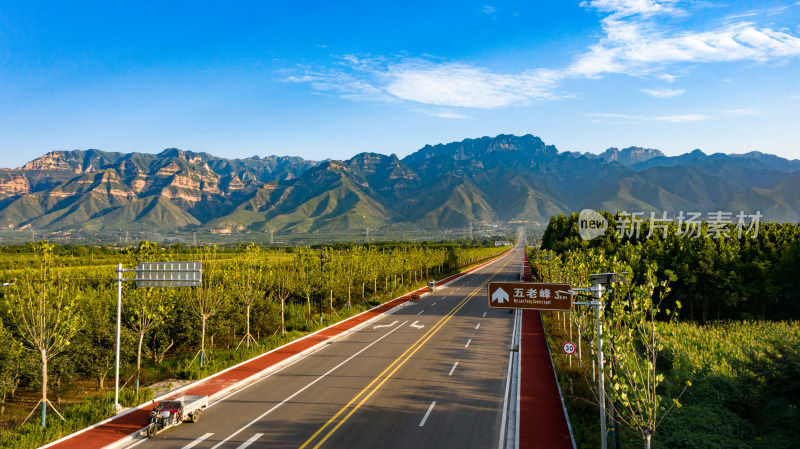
(394, 366)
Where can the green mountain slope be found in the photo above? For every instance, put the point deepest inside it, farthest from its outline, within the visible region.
(328, 197)
(143, 214)
(780, 203)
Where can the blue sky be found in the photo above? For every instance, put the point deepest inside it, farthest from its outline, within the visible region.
(332, 79)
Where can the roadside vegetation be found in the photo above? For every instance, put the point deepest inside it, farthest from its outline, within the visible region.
(251, 300)
(723, 337)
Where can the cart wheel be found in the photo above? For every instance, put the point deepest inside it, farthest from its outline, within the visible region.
(195, 416)
(151, 431)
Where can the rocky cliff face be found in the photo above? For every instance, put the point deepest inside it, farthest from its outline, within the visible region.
(13, 183)
(56, 161)
(631, 155)
(45, 191)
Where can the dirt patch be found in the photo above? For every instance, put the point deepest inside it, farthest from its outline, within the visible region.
(16, 409)
(165, 386)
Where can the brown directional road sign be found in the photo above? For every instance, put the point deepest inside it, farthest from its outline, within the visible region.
(529, 295)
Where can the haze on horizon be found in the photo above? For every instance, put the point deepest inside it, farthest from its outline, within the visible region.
(330, 80)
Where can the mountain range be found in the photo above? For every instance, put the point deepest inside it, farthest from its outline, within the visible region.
(487, 180)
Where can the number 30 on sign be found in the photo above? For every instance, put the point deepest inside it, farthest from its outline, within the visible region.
(569, 347)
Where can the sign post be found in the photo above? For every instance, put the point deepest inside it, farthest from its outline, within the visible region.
(597, 290)
(152, 274)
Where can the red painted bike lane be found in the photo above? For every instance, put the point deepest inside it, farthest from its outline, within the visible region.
(543, 423)
(123, 425)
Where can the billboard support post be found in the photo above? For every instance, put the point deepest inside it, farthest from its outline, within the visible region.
(152, 274)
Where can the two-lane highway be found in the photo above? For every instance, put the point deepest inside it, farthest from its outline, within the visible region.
(432, 374)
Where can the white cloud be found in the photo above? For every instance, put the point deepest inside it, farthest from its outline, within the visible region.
(627, 8)
(742, 15)
(442, 113)
(681, 118)
(660, 118)
(663, 93)
(667, 77)
(742, 111)
(636, 41)
(461, 85)
(432, 83)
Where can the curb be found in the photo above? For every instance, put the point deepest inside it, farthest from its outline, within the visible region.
(558, 384)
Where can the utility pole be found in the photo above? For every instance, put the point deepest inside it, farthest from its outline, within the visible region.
(119, 280)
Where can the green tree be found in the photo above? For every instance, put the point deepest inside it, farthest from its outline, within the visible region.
(145, 308)
(306, 272)
(11, 363)
(247, 279)
(92, 346)
(633, 338)
(350, 269)
(207, 299)
(281, 280)
(44, 311)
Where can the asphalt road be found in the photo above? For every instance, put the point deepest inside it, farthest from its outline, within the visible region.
(431, 375)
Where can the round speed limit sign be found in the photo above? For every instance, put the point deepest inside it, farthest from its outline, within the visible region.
(569, 347)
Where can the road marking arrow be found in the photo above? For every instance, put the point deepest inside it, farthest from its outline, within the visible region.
(418, 326)
(384, 325)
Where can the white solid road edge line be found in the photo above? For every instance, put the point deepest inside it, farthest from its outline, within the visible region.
(511, 361)
(290, 397)
(124, 440)
(222, 394)
(427, 414)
